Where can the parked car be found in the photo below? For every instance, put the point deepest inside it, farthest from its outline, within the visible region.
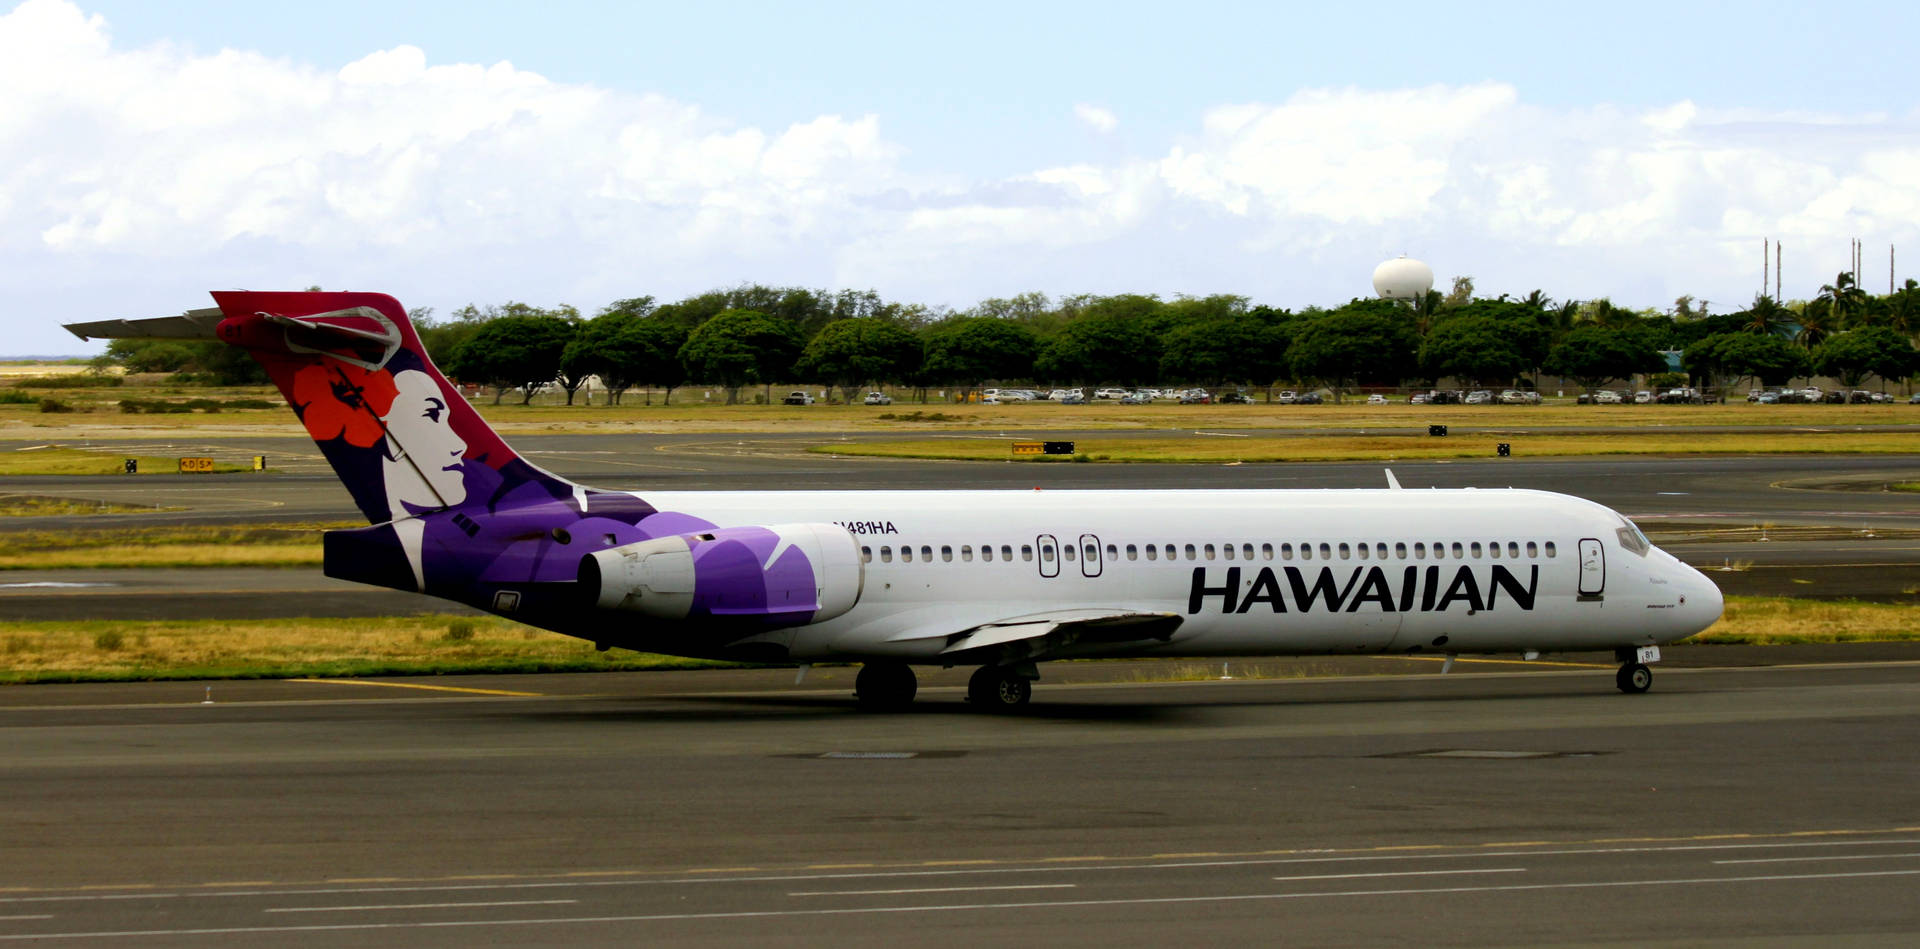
(1642, 397)
(1376, 399)
(1680, 396)
(797, 397)
(1236, 398)
(1914, 399)
(1308, 398)
(1764, 398)
(878, 398)
(1073, 397)
(1479, 397)
(1811, 393)
(1519, 397)
(1418, 398)
(1133, 398)
(1059, 395)
(1286, 397)
(1195, 397)
(1607, 397)
(1109, 393)
(1443, 397)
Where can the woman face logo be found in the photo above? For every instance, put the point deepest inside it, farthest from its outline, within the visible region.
(425, 456)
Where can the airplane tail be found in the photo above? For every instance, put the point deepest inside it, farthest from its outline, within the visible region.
(397, 432)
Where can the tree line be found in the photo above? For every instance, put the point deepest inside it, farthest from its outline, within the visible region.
(756, 335)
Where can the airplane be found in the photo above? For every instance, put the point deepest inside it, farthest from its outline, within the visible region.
(1001, 580)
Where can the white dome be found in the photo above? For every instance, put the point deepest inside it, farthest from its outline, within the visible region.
(1402, 278)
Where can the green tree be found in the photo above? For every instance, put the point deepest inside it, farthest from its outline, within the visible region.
(1844, 300)
(1364, 341)
(1237, 347)
(520, 351)
(969, 350)
(737, 347)
(1593, 356)
(1767, 359)
(1872, 350)
(1474, 348)
(854, 352)
(1105, 347)
(625, 348)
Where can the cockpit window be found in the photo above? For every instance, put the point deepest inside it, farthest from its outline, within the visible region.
(1631, 538)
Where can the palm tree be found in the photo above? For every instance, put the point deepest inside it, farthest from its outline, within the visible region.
(1767, 317)
(1843, 297)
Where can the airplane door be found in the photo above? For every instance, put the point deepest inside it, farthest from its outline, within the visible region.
(1593, 568)
(1089, 555)
(1049, 555)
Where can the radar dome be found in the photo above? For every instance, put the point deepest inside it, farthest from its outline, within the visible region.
(1402, 278)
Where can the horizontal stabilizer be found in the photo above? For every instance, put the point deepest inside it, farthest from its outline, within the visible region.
(193, 324)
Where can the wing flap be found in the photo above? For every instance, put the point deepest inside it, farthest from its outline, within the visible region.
(1037, 634)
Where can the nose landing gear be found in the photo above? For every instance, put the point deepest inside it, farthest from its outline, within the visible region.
(1634, 678)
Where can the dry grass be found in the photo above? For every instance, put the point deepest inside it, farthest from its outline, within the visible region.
(1775, 620)
(179, 649)
(279, 545)
(40, 505)
(199, 649)
(1212, 449)
(55, 460)
(101, 417)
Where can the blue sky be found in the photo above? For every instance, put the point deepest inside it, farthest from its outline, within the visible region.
(580, 152)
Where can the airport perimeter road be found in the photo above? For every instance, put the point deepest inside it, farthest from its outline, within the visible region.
(1756, 806)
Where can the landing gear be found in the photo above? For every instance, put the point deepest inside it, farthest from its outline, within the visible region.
(885, 686)
(999, 689)
(1634, 678)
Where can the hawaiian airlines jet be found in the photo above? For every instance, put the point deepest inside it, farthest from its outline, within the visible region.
(1002, 580)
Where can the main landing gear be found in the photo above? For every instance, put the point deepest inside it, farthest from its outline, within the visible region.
(885, 686)
(1000, 688)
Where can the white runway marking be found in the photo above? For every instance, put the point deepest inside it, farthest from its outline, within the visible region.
(377, 907)
(947, 908)
(1847, 856)
(1401, 873)
(41, 916)
(938, 889)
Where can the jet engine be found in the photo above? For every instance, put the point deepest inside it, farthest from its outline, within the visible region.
(782, 575)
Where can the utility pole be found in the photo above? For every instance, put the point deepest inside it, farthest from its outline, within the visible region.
(1776, 271)
(1766, 255)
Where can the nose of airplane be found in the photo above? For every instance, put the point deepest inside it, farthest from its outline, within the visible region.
(1703, 603)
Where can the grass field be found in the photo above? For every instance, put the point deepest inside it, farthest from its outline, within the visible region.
(425, 645)
(56, 460)
(1222, 449)
(97, 412)
(40, 505)
(277, 545)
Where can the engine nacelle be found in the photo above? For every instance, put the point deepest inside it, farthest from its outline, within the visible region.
(783, 575)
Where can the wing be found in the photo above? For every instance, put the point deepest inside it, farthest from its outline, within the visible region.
(1052, 634)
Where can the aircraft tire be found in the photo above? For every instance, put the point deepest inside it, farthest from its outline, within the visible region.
(1634, 678)
(885, 686)
(998, 689)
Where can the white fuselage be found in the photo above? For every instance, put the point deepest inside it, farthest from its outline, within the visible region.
(1249, 572)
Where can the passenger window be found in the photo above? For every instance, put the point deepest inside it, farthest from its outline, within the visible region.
(986, 552)
(1458, 552)
(1419, 550)
(1400, 550)
(1326, 552)
(1266, 551)
(1190, 554)
(1306, 551)
(866, 554)
(1026, 552)
(946, 554)
(906, 555)
(1226, 549)
(1153, 552)
(926, 553)
(1493, 550)
(1513, 550)
(1439, 551)
(886, 555)
(1549, 548)
(1246, 552)
(1046, 553)
(1363, 551)
(1286, 551)
(1006, 552)
(1475, 549)
(966, 553)
(1209, 551)
(1133, 552)
(1533, 550)
(1111, 552)
(1381, 550)
(1067, 550)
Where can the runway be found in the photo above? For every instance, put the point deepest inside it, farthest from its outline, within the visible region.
(1737, 804)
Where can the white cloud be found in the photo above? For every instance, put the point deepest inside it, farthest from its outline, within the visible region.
(1096, 118)
(131, 178)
